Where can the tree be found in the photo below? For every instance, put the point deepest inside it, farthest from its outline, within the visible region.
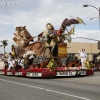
(4, 44)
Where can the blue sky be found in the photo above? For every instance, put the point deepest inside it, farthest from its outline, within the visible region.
(36, 13)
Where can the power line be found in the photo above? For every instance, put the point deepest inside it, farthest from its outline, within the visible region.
(86, 38)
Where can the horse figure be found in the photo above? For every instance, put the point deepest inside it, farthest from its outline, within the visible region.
(22, 37)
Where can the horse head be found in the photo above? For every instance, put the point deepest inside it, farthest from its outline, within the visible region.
(25, 32)
(17, 29)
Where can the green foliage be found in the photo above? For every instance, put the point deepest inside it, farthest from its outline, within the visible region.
(4, 44)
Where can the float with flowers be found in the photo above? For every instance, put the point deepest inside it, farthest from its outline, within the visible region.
(47, 56)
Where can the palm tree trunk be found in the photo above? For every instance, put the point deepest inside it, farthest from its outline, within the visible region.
(4, 50)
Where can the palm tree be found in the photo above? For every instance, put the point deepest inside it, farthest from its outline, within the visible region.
(4, 44)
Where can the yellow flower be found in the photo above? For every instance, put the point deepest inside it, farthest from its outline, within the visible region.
(52, 64)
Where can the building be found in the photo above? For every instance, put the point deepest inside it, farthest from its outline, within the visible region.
(90, 48)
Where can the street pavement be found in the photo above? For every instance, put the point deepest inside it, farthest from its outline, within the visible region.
(60, 88)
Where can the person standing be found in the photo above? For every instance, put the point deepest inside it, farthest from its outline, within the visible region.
(83, 56)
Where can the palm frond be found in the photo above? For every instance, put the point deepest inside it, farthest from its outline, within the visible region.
(4, 42)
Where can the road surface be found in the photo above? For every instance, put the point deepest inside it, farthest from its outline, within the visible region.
(66, 88)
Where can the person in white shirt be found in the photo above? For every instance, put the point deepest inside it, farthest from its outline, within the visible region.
(11, 64)
(83, 56)
(21, 62)
(9, 57)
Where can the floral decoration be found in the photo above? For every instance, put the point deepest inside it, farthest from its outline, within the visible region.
(52, 65)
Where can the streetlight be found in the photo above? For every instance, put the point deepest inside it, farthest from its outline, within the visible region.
(98, 9)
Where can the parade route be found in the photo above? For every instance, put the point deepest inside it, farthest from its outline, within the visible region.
(70, 88)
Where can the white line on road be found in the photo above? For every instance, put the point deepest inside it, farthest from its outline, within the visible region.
(45, 89)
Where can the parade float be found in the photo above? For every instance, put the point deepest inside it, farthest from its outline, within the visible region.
(47, 56)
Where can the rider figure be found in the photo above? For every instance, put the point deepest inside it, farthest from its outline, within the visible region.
(48, 33)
